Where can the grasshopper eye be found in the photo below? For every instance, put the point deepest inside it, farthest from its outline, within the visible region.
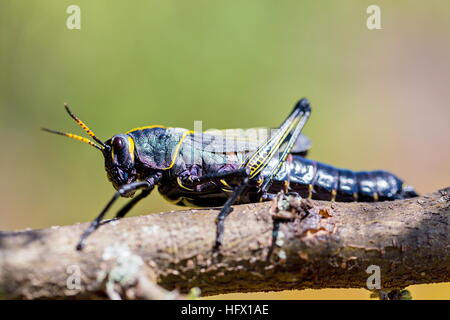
(118, 143)
(122, 151)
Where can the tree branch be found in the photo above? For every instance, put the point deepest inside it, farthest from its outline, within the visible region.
(331, 247)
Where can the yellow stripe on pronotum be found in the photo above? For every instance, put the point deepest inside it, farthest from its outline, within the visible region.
(147, 127)
(177, 149)
(131, 147)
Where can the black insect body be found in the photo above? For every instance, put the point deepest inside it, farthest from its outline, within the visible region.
(221, 168)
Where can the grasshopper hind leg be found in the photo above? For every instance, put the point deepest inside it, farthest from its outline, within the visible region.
(280, 144)
(226, 210)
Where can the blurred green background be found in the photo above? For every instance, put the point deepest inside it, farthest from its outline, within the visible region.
(380, 98)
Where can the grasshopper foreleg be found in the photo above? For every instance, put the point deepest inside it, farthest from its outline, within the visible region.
(123, 190)
(130, 204)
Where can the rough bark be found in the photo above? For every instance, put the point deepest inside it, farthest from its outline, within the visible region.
(331, 247)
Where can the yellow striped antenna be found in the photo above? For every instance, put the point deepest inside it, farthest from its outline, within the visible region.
(83, 126)
(76, 137)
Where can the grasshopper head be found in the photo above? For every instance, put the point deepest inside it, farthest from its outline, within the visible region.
(119, 160)
(118, 152)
